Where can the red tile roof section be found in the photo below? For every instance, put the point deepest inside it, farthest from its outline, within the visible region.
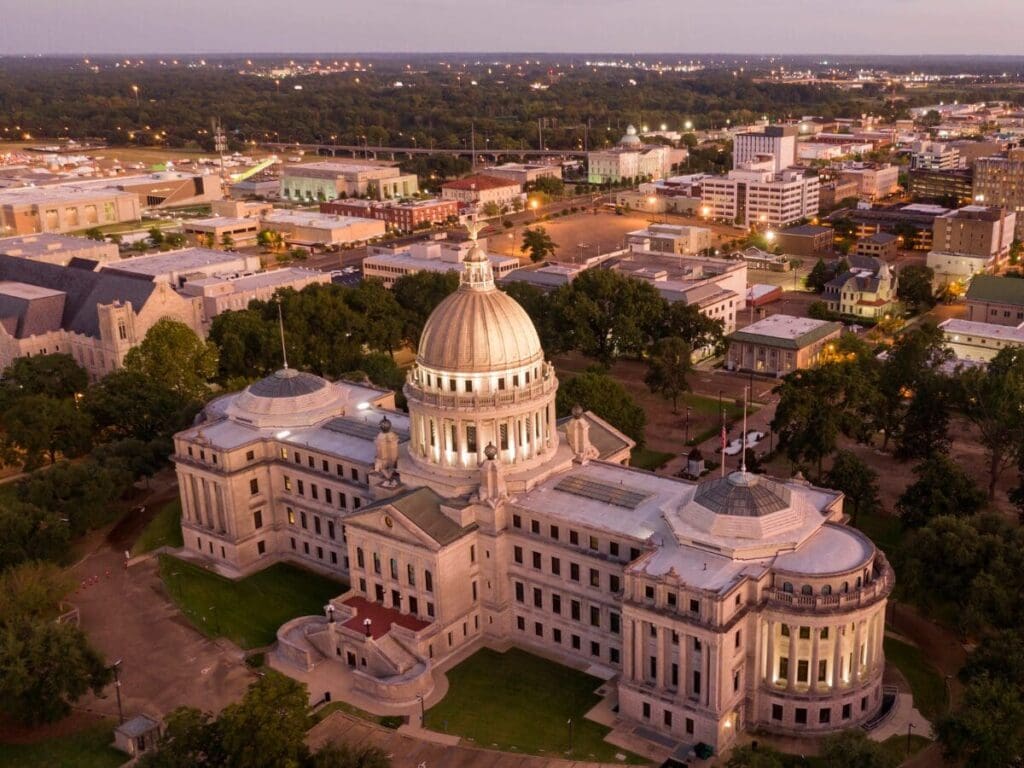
(381, 617)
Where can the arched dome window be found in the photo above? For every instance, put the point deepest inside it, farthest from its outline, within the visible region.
(787, 587)
(806, 589)
(827, 589)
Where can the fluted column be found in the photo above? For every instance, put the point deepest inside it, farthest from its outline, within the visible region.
(812, 676)
(664, 657)
(712, 684)
(770, 660)
(791, 670)
(855, 667)
(837, 658)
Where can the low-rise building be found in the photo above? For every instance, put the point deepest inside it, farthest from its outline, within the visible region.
(525, 173)
(237, 232)
(934, 155)
(998, 300)
(235, 292)
(405, 216)
(96, 316)
(479, 190)
(670, 238)
(174, 268)
(780, 344)
(912, 224)
(389, 264)
(308, 230)
(979, 342)
(329, 180)
(831, 193)
(755, 258)
(805, 240)
(867, 290)
(874, 181)
(61, 208)
(58, 249)
(163, 189)
(880, 245)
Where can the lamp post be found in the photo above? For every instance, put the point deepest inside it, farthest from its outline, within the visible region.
(910, 727)
(423, 712)
(366, 627)
(135, 90)
(117, 689)
(570, 735)
(686, 427)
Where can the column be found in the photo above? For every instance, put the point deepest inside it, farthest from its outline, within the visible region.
(770, 659)
(855, 668)
(665, 657)
(706, 675)
(812, 677)
(713, 678)
(684, 650)
(837, 657)
(638, 651)
(794, 632)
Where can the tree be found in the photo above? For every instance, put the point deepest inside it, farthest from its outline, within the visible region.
(270, 239)
(915, 286)
(818, 310)
(853, 749)
(491, 209)
(57, 376)
(987, 730)
(38, 426)
(856, 480)
(267, 728)
(127, 404)
(94, 233)
(333, 755)
(174, 355)
(667, 369)
(174, 240)
(819, 275)
(543, 311)
(1000, 656)
(538, 243)
(418, 295)
(694, 327)
(750, 757)
(607, 314)
(190, 738)
(227, 242)
(596, 391)
(924, 429)
(942, 488)
(248, 342)
(83, 492)
(549, 185)
(992, 402)
(31, 592)
(156, 236)
(381, 315)
(30, 534)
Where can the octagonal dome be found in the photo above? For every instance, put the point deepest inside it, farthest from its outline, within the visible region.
(743, 494)
(288, 398)
(479, 331)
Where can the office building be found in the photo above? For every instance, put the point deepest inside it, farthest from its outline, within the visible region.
(306, 229)
(479, 190)
(329, 180)
(874, 181)
(58, 249)
(777, 141)
(233, 292)
(880, 245)
(934, 156)
(60, 209)
(405, 216)
(215, 231)
(977, 237)
(757, 196)
(949, 187)
(631, 159)
(389, 264)
(525, 174)
(805, 240)
(1000, 181)
(669, 238)
(176, 267)
(979, 342)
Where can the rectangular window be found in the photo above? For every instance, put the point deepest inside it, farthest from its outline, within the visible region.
(847, 711)
(536, 560)
(554, 532)
(535, 526)
(575, 642)
(593, 543)
(316, 524)
(517, 554)
(520, 592)
(613, 548)
(614, 623)
(359, 557)
(304, 521)
(314, 491)
(670, 598)
(689, 726)
(287, 483)
(696, 683)
(428, 581)
(595, 578)
(800, 716)
(410, 575)
(430, 610)
(574, 537)
(473, 584)
(250, 455)
(595, 648)
(472, 553)
(301, 487)
(824, 715)
(538, 629)
(667, 719)
(613, 584)
(517, 521)
(261, 547)
(646, 710)
(257, 518)
(393, 567)
(538, 598)
(376, 563)
(595, 616)
(414, 605)
(574, 610)
(328, 496)
(574, 571)
(330, 529)
(556, 635)
(776, 712)
(556, 603)
(694, 606)
(556, 566)
(520, 623)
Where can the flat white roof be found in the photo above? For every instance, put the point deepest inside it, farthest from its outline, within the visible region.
(262, 279)
(314, 219)
(44, 243)
(175, 261)
(784, 326)
(1009, 333)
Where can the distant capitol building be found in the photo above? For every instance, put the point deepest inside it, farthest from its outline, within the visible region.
(738, 603)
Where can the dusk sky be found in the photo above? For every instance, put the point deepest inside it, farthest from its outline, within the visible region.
(631, 26)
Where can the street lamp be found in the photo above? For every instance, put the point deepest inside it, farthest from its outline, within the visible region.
(910, 727)
(135, 90)
(570, 735)
(117, 689)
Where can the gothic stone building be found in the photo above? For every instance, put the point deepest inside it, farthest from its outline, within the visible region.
(740, 602)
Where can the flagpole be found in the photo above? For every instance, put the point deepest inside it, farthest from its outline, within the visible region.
(743, 437)
(723, 441)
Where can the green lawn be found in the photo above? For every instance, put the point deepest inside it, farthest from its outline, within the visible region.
(927, 685)
(645, 458)
(518, 702)
(896, 746)
(163, 530)
(86, 749)
(388, 721)
(248, 611)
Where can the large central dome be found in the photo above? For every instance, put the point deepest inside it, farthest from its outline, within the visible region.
(475, 331)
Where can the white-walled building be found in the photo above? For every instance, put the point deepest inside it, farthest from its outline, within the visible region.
(739, 603)
(757, 196)
(234, 292)
(670, 238)
(389, 264)
(778, 141)
(58, 249)
(631, 159)
(480, 189)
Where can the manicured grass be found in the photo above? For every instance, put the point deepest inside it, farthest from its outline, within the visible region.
(248, 611)
(896, 746)
(709, 405)
(518, 702)
(927, 685)
(645, 458)
(89, 748)
(163, 530)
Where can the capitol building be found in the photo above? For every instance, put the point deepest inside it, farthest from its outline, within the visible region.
(737, 603)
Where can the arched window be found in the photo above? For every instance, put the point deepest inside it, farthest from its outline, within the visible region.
(846, 587)
(787, 587)
(806, 589)
(858, 582)
(827, 589)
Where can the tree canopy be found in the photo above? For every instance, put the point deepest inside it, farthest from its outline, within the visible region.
(596, 391)
(174, 355)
